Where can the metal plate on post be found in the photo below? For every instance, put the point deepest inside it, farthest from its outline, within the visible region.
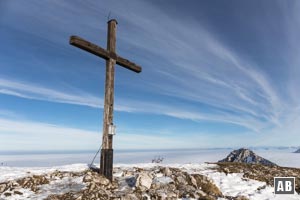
(112, 129)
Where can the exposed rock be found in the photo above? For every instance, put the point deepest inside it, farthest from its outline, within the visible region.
(7, 194)
(32, 182)
(241, 198)
(131, 181)
(246, 156)
(181, 180)
(130, 197)
(167, 171)
(206, 185)
(3, 187)
(144, 181)
(18, 192)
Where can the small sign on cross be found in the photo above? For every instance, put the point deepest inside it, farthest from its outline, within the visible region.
(112, 129)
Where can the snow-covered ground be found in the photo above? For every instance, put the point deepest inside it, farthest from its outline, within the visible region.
(60, 186)
(235, 185)
(17, 166)
(12, 173)
(231, 184)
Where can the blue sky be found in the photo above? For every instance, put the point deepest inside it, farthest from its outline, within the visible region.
(215, 74)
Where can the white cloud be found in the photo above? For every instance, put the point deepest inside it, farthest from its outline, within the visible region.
(27, 135)
(16, 135)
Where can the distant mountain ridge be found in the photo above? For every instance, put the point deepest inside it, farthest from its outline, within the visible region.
(246, 156)
(297, 151)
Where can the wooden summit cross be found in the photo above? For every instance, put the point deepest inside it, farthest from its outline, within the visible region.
(106, 161)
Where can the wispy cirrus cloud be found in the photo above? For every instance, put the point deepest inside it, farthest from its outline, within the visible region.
(29, 91)
(201, 68)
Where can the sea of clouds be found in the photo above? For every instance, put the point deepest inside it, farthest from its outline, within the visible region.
(281, 156)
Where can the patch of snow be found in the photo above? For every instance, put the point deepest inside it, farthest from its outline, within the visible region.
(126, 183)
(163, 180)
(159, 175)
(235, 185)
(62, 186)
(118, 173)
(13, 173)
(59, 186)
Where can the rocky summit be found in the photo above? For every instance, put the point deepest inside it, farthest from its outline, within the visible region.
(134, 183)
(210, 181)
(246, 156)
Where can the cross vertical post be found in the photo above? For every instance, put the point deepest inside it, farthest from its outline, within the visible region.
(106, 160)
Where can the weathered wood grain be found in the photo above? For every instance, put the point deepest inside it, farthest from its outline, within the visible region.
(99, 51)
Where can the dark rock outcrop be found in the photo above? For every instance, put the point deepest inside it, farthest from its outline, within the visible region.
(246, 156)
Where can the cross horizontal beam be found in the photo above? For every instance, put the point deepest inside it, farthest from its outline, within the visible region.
(99, 51)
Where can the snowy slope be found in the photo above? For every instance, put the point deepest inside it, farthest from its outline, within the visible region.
(12, 173)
